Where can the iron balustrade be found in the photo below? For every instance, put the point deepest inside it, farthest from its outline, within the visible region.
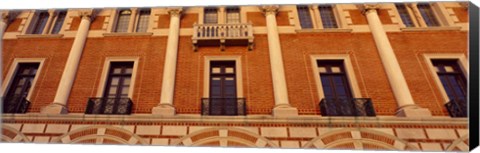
(347, 107)
(224, 106)
(457, 107)
(222, 34)
(15, 104)
(97, 105)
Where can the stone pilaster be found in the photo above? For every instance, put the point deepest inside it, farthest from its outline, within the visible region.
(165, 107)
(406, 105)
(282, 106)
(59, 105)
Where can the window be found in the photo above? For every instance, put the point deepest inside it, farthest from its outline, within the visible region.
(338, 89)
(404, 15)
(142, 23)
(327, 16)
(333, 78)
(223, 92)
(59, 22)
(428, 14)
(115, 99)
(123, 21)
(211, 16)
(223, 88)
(45, 22)
(454, 84)
(15, 100)
(304, 17)
(119, 78)
(233, 15)
(40, 23)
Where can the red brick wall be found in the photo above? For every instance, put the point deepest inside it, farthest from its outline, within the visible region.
(384, 16)
(257, 18)
(13, 26)
(282, 18)
(163, 21)
(97, 23)
(357, 17)
(187, 20)
(54, 50)
(257, 82)
(409, 48)
(370, 75)
(151, 53)
(461, 13)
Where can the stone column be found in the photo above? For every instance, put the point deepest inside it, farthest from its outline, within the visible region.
(59, 105)
(165, 107)
(282, 106)
(406, 105)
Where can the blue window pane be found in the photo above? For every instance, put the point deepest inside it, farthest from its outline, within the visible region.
(428, 15)
(59, 22)
(304, 17)
(404, 15)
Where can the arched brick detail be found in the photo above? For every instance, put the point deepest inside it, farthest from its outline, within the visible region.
(224, 136)
(10, 134)
(461, 144)
(359, 139)
(100, 135)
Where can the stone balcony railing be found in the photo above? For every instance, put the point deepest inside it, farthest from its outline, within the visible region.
(222, 35)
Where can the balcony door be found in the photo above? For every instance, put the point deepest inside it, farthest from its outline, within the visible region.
(223, 88)
(336, 89)
(20, 87)
(117, 87)
(454, 84)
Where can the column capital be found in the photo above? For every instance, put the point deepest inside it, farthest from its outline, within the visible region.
(175, 11)
(313, 7)
(87, 13)
(366, 8)
(4, 16)
(270, 9)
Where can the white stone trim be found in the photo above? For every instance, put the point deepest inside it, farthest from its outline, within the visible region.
(106, 68)
(462, 62)
(238, 73)
(13, 70)
(352, 80)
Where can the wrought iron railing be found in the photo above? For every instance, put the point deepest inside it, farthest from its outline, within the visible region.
(15, 104)
(457, 107)
(223, 34)
(121, 106)
(347, 107)
(224, 106)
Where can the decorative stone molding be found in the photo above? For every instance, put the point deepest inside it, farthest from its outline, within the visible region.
(270, 9)
(87, 13)
(175, 11)
(368, 7)
(4, 16)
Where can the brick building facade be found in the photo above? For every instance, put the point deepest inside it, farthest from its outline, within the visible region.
(354, 76)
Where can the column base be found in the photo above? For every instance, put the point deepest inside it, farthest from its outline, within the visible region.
(164, 110)
(54, 109)
(413, 111)
(284, 111)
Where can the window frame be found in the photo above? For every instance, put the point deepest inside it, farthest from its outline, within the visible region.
(335, 16)
(462, 63)
(350, 73)
(8, 80)
(132, 22)
(417, 18)
(105, 74)
(137, 19)
(310, 12)
(50, 23)
(238, 73)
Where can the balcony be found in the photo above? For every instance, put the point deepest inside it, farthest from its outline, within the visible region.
(224, 106)
(222, 35)
(457, 107)
(347, 107)
(15, 104)
(109, 106)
